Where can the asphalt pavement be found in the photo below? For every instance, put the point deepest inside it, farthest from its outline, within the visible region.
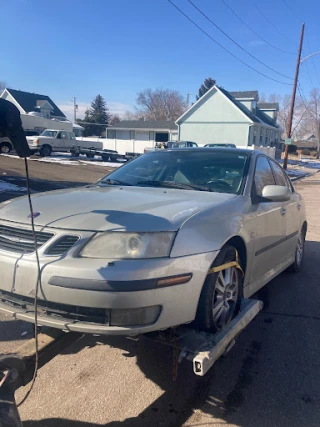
(270, 378)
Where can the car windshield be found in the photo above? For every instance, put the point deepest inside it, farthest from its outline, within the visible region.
(50, 133)
(216, 171)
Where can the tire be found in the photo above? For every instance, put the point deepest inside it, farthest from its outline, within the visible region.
(90, 155)
(298, 256)
(113, 158)
(219, 301)
(5, 148)
(105, 157)
(75, 154)
(45, 151)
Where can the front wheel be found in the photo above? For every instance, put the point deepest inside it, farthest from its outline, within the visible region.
(45, 151)
(5, 148)
(298, 257)
(220, 298)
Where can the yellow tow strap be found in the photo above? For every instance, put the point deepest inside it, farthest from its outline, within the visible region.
(227, 265)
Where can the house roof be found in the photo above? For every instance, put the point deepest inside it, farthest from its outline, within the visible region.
(247, 94)
(268, 105)
(259, 117)
(28, 101)
(145, 124)
(241, 107)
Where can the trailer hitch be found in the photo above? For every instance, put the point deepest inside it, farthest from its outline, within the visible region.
(12, 369)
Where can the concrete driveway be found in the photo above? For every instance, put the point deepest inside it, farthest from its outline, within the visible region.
(271, 377)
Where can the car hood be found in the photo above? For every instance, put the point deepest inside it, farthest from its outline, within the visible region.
(112, 208)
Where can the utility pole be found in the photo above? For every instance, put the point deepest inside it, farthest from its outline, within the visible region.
(75, 107)
(293, 98)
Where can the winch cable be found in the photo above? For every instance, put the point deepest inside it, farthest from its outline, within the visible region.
(38, 285)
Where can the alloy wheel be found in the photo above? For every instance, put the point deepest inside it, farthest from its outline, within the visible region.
(225, 297)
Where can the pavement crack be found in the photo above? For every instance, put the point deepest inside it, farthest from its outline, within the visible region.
(302, 316)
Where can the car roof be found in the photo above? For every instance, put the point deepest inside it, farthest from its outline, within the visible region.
(214, 149)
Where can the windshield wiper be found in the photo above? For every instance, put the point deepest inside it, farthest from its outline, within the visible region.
(110, 181)
(171, 184)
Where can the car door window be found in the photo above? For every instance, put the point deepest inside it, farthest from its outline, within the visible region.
(63, 135)
(263, 175)
(281, 178)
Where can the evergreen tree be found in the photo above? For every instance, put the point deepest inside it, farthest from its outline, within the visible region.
(97, 113)
(207, 84)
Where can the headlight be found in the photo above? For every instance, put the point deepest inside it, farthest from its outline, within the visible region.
(122, 245)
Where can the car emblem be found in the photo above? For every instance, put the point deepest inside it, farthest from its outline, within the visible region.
(34, 215)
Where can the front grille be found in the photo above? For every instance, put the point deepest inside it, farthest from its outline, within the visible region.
(20, 240)
(57, 310)
(62, 245)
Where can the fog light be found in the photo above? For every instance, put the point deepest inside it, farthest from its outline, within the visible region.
(135, 316)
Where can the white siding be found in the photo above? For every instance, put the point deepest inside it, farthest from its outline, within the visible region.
(216, 120)
(142, 135)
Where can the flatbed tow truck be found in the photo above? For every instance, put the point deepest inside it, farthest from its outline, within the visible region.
(203, 349)
(106, 155)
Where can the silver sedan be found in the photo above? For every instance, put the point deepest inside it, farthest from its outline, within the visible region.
(139, 250)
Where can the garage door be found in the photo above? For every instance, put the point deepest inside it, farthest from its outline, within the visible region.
(123, 134)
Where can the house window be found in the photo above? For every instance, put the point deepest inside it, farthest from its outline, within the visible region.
(45, 113)
(254, 135)
(111, 134)
(267, 137)
(254, 107)
(261, 136)
(151, 135)
(132, 134)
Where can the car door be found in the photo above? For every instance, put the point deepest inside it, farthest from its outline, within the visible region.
(270, 226)
(291, 210)
(63, 141)
(57, 142)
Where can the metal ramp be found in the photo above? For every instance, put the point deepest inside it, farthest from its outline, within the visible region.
(203, 349)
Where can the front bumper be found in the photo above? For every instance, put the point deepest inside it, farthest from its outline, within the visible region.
(110, 285)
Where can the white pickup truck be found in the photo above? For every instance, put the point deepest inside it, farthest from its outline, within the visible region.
(52, 140)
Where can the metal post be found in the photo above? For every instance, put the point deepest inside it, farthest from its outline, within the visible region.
(293, 98)
(74, 109)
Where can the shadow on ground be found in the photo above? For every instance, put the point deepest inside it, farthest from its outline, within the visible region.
(270, 378)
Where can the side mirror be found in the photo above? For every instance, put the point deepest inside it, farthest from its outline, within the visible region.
(276, 193)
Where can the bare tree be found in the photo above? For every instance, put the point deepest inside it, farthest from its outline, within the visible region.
(299, 117)
(3, 85)
(161, 104)
(115, 118)
(312, 124)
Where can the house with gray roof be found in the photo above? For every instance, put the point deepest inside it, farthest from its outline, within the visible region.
(150, 131)
(220, 116)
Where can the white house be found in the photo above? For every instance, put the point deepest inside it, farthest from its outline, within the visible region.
(38, 112)
(220, 116)
(135, 135)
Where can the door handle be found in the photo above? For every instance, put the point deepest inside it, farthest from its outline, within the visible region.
(299, 206)
(283, 211)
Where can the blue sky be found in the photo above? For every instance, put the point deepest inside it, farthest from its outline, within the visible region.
(64, 48)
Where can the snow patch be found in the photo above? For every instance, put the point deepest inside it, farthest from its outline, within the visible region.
(6, 186)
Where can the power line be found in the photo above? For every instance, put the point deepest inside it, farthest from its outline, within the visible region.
(254, 31)
(290, 8)
(237, 44)
(312, 60)
(268, 20)
(225, 49)
(308, 41)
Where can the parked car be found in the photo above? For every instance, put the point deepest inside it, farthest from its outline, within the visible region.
(31, 133)
(52, 140)
(5, 145)
(221, 145)
(174, 144)
(134, 253)
(181, 144)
